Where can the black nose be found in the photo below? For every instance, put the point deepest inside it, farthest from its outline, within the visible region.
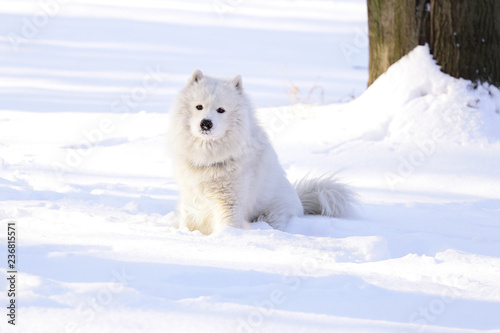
(206, 124)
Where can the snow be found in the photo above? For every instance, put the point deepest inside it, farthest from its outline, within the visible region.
(85, 175)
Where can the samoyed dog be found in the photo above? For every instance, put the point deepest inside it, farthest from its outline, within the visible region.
(227, 170)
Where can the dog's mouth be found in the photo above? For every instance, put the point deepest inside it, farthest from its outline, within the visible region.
(208, 135)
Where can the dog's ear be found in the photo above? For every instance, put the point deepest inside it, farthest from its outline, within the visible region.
(196, 76)
(237, 83)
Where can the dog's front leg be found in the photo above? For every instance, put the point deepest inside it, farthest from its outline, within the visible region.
(210, 211)
(227, 212)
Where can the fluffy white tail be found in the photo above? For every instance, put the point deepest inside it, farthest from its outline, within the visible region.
(325, 196)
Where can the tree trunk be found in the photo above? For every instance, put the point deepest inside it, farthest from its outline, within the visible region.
(464, 35)
(465, 38)
(392, 33)
(395, 28)
(423, 17)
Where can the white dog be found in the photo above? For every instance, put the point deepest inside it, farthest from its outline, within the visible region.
(227, 170)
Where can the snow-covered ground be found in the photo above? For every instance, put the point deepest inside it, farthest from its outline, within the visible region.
(85, 175)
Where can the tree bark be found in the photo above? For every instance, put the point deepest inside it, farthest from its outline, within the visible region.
(463, 35)
(423, 21)
(465, 38)
(392, 33)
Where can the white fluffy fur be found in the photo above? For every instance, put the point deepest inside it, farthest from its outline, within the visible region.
(325, 196)
(230, 175)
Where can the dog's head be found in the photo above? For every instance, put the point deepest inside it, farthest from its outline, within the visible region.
(212, 118)
(213, 105)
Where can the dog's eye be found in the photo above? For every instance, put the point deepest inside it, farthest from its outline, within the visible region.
(199, 107)
(221, 110)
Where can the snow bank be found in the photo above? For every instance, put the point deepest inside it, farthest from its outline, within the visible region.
(412, 102)
(415, 101)
(414, 129)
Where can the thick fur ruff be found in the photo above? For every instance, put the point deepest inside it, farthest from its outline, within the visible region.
(227, 170)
